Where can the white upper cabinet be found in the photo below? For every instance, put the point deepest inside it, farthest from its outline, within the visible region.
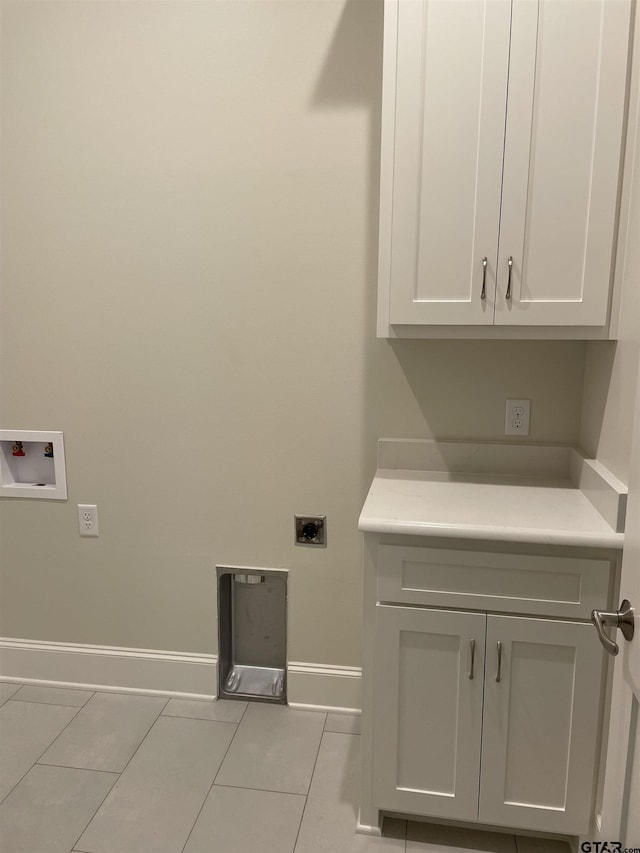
(501, 152)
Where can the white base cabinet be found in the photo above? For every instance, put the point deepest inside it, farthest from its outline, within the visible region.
(530, 756)
(482, 716)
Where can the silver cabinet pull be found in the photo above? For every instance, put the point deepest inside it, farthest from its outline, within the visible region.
(472, 643)
(622, 619)
(483, 295)
(508, 293)
(499, 672)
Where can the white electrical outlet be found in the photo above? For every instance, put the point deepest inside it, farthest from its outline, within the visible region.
(88, 519)
(516, 419)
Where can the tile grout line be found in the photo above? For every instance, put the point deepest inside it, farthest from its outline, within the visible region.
(334, 732)
(98, 807)
(95, 768)
(69, 767)
(142, 691)
(142, 741)
(122, 691)
(203, 719)
(264, 790)
(40, 756)
(86, 826)
(50, 704)
(315, 764)
(206, 797)
(39, 686)
(11, 695)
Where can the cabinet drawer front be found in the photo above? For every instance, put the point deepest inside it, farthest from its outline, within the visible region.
(513, 583)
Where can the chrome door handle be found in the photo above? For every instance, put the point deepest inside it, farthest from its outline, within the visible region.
(472, 643)
(623, 619)
(508, 293)
(483, 295)
(499, 672)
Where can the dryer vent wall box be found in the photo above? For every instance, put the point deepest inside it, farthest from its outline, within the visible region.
(32, 464)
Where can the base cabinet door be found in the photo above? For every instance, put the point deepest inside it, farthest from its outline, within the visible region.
(540, 724)
(429, 667)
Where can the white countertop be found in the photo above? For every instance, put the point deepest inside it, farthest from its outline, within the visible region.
(507, 509)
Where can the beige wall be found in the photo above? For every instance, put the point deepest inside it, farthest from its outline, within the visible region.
(190, 202)
(612, 366)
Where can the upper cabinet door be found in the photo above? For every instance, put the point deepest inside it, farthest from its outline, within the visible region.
(442, 157)
(567, 83)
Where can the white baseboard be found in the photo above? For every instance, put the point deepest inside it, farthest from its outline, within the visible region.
(328, 687)
(180, 674)
(108, 667)
(366, 829)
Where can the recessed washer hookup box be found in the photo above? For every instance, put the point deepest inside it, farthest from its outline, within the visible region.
(32, 464)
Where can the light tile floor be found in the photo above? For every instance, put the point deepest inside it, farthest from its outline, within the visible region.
(103, 772)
